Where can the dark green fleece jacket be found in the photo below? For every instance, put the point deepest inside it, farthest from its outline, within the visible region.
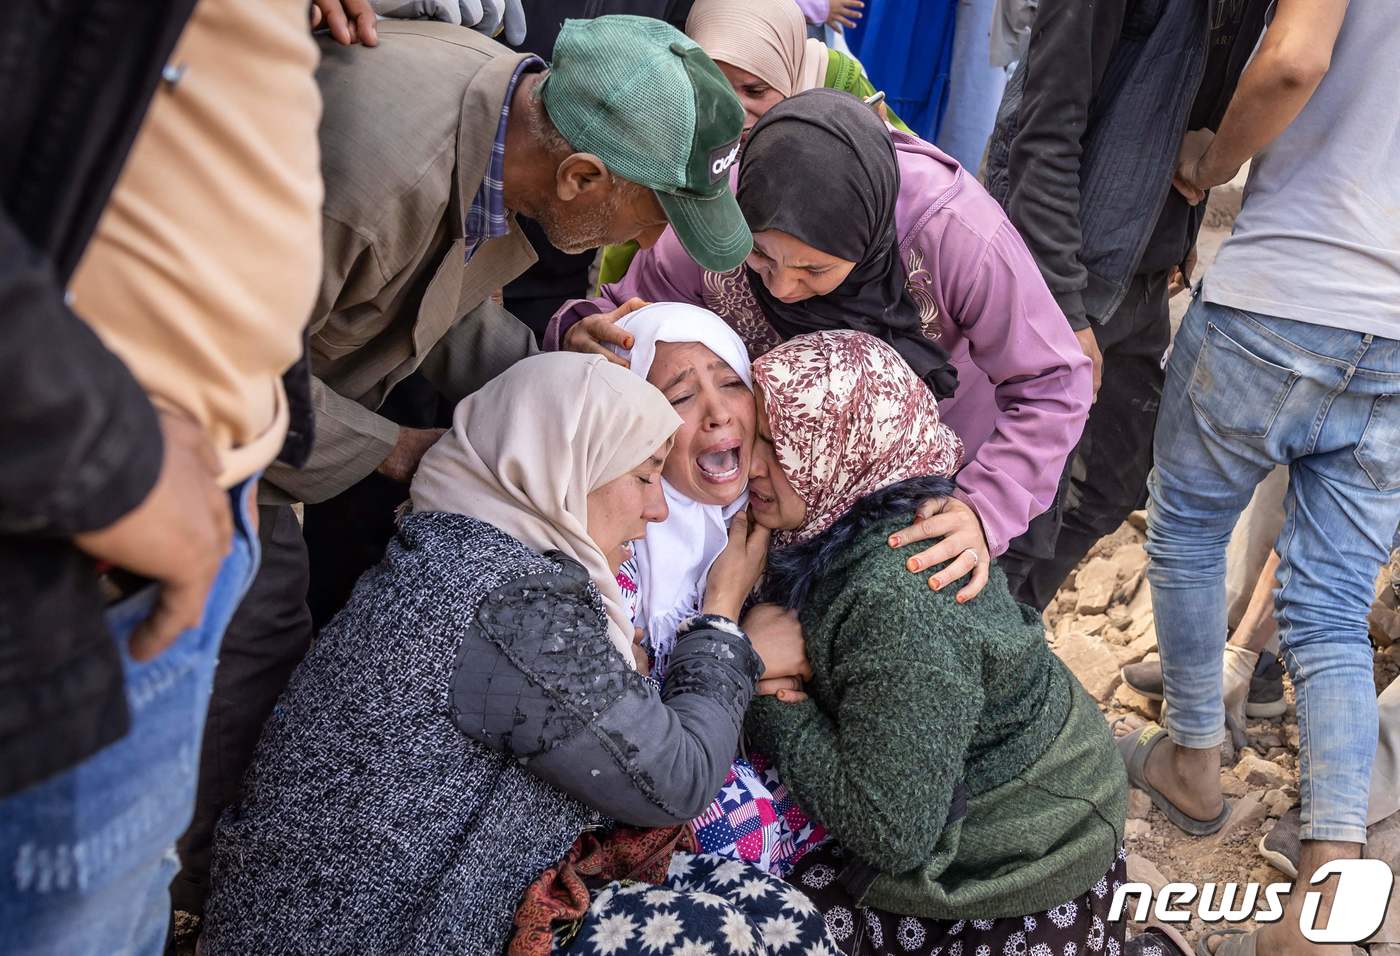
(912, 694)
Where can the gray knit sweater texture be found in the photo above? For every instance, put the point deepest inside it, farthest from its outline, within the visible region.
(416, 774)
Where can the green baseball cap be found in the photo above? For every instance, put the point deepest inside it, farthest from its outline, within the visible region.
(646, 100)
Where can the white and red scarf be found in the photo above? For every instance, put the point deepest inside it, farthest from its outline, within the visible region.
(849, 417)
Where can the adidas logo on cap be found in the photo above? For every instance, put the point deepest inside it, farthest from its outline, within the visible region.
(721, 159)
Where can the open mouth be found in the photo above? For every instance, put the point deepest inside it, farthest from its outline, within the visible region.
(719, 464)
(758, 499)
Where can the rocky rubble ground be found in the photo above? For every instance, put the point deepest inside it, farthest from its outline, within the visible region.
(1101, 620)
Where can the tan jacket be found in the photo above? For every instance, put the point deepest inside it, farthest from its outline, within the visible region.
(407, 131)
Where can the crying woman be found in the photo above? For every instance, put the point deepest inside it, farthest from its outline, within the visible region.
(702, 367)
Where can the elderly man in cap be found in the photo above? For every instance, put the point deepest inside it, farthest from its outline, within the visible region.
(431, 143)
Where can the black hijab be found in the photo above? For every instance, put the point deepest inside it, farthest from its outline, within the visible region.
(820, 166)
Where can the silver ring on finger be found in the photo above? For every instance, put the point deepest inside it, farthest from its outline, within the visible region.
(976, 558)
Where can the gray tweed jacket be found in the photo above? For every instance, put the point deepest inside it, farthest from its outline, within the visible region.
(449, 736)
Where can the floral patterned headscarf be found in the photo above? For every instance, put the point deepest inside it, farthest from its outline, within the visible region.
(849, 417)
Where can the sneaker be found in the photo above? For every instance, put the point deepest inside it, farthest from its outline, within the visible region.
(1265, 688)
(1280, 846)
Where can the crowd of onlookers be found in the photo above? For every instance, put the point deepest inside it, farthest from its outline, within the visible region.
(594, 489)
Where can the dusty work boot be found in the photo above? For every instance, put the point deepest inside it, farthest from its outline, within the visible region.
(1265, 686)
(1266, 689)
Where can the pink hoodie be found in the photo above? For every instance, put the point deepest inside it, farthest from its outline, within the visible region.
(1024, 385)
(814, 11)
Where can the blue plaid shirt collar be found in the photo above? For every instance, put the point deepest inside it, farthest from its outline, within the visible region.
(487, 217)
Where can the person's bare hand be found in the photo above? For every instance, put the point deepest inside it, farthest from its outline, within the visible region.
(786, 689)
(1194, 173)
(1181, 275)
(349, 21)
(640, 653)
(178, 536)
(593, 334)
(1090, 346)
(844, 13)
(776, 636)
(738, 567)
(413, 443)
(963, 544)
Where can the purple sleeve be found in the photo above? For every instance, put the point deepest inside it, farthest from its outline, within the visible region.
(663, 273)
(1017, 335)
(816, 11)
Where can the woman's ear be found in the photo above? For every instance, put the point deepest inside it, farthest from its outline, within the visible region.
(580, 173)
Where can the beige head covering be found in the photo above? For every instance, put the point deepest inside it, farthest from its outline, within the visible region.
(767, 38)
(525, 451)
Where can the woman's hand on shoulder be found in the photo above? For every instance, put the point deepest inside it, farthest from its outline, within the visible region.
(738, 567)
(962, 545)
(593, 334)
(776, 636)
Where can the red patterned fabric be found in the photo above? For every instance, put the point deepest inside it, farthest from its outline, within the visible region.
(848, 418)
(562, 893)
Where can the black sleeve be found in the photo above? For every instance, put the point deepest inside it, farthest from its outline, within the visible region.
(78, 437)
(1070, 46)
(538, 678)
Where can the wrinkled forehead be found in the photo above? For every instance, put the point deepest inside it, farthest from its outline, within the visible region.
(674, 358)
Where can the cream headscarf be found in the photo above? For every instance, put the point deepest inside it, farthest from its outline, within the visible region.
(673, 560)
(767, 38)
(524, 452)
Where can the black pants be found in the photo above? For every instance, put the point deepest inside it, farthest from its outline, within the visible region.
(268, 636)
(1106, 477)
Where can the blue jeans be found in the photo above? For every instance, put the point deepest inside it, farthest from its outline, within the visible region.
(1245, 392)
(86, 857)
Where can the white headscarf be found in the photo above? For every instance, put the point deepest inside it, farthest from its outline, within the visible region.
(674, 559)
(525, 451)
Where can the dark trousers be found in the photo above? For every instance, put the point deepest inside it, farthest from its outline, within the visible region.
(346, 536)
(268, 636)
(1106, 477)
